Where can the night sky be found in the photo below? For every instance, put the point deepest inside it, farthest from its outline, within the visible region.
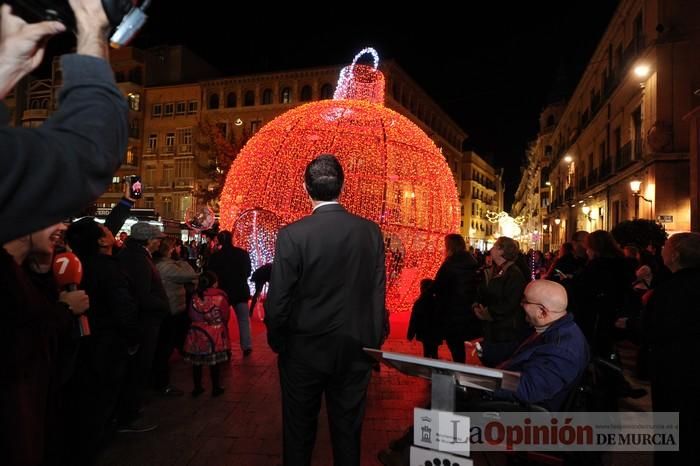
(491, 67)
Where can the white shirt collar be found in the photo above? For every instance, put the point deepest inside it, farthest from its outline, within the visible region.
(321, 204)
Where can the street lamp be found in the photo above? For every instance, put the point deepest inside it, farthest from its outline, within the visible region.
(635, 186)
(557, 221)
(568, 159)
(642, 70)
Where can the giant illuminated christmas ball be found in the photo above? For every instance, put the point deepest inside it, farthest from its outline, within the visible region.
(394, 175)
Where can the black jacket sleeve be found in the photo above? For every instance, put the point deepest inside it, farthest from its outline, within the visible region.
(381, 313)
(283, 283)
(53, 171)
(122, 311)
(118, 215)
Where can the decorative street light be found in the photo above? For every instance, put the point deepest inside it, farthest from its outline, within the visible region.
(568, 159)
(642, 70)
(635, 186)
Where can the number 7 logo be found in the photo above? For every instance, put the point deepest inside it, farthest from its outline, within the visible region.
(63, 261)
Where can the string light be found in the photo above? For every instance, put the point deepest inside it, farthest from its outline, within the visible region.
(507, 225)
(394, 175)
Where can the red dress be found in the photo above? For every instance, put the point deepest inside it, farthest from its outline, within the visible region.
(207, 341)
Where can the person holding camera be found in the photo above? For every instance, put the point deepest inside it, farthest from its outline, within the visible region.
(60, 167)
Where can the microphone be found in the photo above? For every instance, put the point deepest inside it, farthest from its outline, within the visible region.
(68, 272)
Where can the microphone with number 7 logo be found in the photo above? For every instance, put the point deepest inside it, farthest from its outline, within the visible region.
(68, 272)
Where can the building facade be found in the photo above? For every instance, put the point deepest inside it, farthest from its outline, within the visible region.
(481, 192)
(626, 121)
(129, 65)
(533, 195)
(172, 95)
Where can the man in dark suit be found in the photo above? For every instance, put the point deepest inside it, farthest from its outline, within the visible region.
(326, 302)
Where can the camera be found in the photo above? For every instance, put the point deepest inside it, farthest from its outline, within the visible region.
(125, 18)
(135, 186)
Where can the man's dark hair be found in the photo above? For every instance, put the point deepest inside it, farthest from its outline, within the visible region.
(83, 236)
(225, 239)
(324, 178)
(206, 280)
(603, 244)
(455, 243)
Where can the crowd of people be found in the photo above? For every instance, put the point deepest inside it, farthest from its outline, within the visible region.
(142, 300)
(558, 320)
(607, 290)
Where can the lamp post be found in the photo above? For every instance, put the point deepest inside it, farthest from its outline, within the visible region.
(635, 186)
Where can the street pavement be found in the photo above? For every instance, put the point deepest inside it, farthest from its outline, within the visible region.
(243, 427)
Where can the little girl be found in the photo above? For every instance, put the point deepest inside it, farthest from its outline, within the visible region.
(207, 342)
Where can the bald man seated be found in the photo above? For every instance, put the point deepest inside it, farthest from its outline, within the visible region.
(553, 358)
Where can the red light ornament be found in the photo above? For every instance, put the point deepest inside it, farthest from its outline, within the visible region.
(394, 176)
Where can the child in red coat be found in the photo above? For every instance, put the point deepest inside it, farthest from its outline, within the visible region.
(207, 342)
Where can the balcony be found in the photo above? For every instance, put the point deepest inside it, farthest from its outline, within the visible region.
(184, 148)
(186, 182)
(35, 114)
(168, 149)
(149, 150)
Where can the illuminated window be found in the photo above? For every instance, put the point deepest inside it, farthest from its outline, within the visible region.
(130, 156)
(169, 142)
(286, 96)
(134, 102)
(152, 143)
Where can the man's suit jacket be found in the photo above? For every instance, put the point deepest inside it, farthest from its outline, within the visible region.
(327, 290)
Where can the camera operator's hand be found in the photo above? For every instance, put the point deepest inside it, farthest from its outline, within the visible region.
(21, 46)
(127, 191)
(93, 26)
(77, 301)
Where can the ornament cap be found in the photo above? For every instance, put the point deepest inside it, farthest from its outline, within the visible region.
(361, 82)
